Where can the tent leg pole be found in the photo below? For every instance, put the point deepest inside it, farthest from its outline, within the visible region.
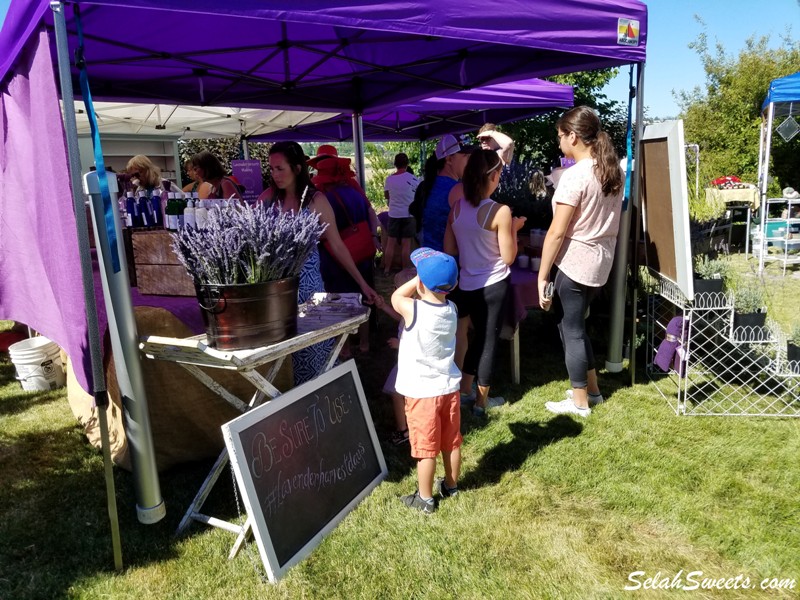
(108, 469)
(95, 351)
(619, 272)
(358, 148)
(638, 214)
(764, 184)
(121, 324)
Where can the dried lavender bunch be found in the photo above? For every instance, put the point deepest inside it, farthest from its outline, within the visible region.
(244, 244)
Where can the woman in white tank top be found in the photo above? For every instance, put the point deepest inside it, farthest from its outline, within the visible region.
(483, 234)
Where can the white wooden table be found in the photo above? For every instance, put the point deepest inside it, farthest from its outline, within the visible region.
(323, 317)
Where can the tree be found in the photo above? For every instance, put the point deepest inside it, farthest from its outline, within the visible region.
(225, 149)
(379, 161)
(535, 138)
(725, 117)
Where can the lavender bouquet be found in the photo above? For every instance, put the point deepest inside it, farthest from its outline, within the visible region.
(244, 244)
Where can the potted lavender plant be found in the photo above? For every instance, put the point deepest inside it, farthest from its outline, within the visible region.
(749, 310)
(245, 265)
(709, 274)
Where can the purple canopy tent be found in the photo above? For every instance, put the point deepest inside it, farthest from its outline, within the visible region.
(323, 54)
(334, 55)
(432, 117)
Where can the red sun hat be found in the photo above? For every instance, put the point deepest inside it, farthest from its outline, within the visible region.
(323, 152)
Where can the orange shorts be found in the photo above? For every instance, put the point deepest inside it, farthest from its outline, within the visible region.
(434, 424)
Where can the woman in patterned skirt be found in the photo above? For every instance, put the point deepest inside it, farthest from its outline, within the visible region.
(291, 188)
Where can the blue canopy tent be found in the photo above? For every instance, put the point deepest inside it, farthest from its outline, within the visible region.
(330, 55)
(783, 100)
(432, 117)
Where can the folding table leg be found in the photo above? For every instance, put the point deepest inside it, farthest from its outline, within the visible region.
(205, 489)
(215, 387)
(515, 378)
(264, 388)
(335, 352)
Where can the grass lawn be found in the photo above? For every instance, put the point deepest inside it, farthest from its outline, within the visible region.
(550, 507)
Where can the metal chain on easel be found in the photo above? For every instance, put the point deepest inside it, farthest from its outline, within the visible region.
(247, 548)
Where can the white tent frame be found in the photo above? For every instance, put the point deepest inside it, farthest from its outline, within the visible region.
(187, 121)
(764, 148)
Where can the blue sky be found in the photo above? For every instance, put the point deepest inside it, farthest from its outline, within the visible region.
(671, 65)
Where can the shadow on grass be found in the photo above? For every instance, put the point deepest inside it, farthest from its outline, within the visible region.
(54, 525)
(15, 400)
(528, 439)
(542, 361)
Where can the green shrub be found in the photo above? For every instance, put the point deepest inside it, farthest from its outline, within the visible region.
(794, 335)
(701, 211)
(748, 297)
(711, 268)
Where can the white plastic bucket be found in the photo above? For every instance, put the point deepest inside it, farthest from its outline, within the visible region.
(38, 364)
(537, 237)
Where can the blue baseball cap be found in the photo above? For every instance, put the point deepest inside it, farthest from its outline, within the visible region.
(437, 271)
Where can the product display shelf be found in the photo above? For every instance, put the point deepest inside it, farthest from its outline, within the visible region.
(724, 371)
(118, 149)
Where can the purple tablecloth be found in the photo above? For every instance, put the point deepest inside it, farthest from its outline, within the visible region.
(525, 292)
(524, 295)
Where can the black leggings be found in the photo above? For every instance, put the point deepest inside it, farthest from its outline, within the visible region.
(574, 299)
(487, 309)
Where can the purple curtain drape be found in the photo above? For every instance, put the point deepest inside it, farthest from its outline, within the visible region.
(40, 275)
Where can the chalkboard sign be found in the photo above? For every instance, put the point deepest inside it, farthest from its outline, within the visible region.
(303, 461)
(665, 204)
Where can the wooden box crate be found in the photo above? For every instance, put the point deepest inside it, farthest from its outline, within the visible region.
(158, 270)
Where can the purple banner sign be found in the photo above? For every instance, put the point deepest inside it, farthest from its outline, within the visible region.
(248, 173)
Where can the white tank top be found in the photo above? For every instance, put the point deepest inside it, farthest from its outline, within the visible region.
(426, 360)
(480, 263)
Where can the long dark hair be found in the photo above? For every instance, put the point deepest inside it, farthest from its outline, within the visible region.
(480, 166)
(296, 158)
(584, 122)
(432, 167)
(212, 168)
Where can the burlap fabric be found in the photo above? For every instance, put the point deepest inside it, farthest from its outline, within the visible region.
(185, 416)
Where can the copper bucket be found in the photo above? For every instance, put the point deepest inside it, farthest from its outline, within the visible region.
(249, 315)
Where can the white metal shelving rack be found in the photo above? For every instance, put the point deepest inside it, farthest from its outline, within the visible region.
(118, 149)
(782, 232)
(728, 371)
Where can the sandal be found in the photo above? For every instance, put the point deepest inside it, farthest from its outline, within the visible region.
(398, 438)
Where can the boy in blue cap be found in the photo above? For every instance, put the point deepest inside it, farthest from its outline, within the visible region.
(427, 374)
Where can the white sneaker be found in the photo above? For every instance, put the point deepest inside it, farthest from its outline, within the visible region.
(567, 407)
(593, 400)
